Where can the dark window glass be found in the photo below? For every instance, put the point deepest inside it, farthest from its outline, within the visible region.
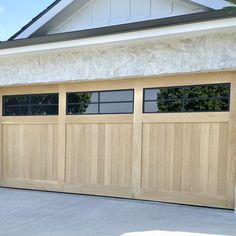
(75, 98)
(81, 109)
(103, 102)
(116, 96)
(113, 108)
(198, 98)
(30, 105)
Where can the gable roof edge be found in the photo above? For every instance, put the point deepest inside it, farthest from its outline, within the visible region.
(205, 17)
(28, 30)
(63, 3)
(214, 4)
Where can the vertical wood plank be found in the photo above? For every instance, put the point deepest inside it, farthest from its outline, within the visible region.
(204, 154)
(101, 154)
(68, 153)
(129, 148)
(223, 159)
(137, 140)
(55, 153)
(62, 134)
(122, 154)
(152, 174)
(195, 157)
(1, 138)
(108, 154)
(115, 155)
(87, 153)
(231, 174)
(4, 151)
(145, 156)
(177, 164)
(213, 158)
(160, 137)
(49, 154)
(186, 157)
(169, 156)
(94, 156)
(75, 148)
(79, 141)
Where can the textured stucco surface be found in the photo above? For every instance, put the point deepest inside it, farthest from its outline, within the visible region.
(212, 52)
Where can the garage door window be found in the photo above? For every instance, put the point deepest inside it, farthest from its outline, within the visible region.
(30, 105)
(102, 102)
(199, 98)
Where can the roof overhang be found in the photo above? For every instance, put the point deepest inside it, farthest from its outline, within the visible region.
(41, 19)
(59, 5)
(214, 4)
(214, 21)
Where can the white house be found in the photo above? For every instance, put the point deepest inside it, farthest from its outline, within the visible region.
(128, 98)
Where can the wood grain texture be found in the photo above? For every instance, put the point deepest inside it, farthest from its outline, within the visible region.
(185, 158)
(99, 154)
(30, 152)
(231, 170)
(1, 140)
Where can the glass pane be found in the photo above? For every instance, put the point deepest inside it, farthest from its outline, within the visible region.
(79, 109)
(116, 96)
(16, 100)
(16, 111)
(43, 110)
(170, 93)
(44, 99)
(207, 105)
(197, 98)
(163, 106)
(151, 94)
(164, 93)
(85, 98)
(116, 108)
(208, 91)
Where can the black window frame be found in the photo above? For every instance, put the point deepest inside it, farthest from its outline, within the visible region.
(29, 104)
(99, 102)
(184, 99)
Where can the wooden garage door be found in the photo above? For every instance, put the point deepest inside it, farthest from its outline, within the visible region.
(186, 157)
(175, 157)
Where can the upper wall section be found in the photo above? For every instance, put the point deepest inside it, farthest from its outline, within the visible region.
(100, 13)
(206, 53)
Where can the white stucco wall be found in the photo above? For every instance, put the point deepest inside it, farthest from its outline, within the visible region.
(212, 52)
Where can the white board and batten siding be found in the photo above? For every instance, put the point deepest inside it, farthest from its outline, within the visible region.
(101, 13)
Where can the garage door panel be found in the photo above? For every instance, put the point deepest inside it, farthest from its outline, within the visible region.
(99, 154)
(30, 151)
(185, 157)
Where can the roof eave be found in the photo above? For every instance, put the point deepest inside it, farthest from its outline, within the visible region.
(158, 23)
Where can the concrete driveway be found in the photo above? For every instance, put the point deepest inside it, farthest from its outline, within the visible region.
(41, 213)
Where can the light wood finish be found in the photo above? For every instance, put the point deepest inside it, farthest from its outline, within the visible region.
(101, 119)
(137, 140)
(231, 172)
(1, 140)
(30, 120)
(99, 154)
(61, 134)
(191, 117)
(185, 158)
(30, 152)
